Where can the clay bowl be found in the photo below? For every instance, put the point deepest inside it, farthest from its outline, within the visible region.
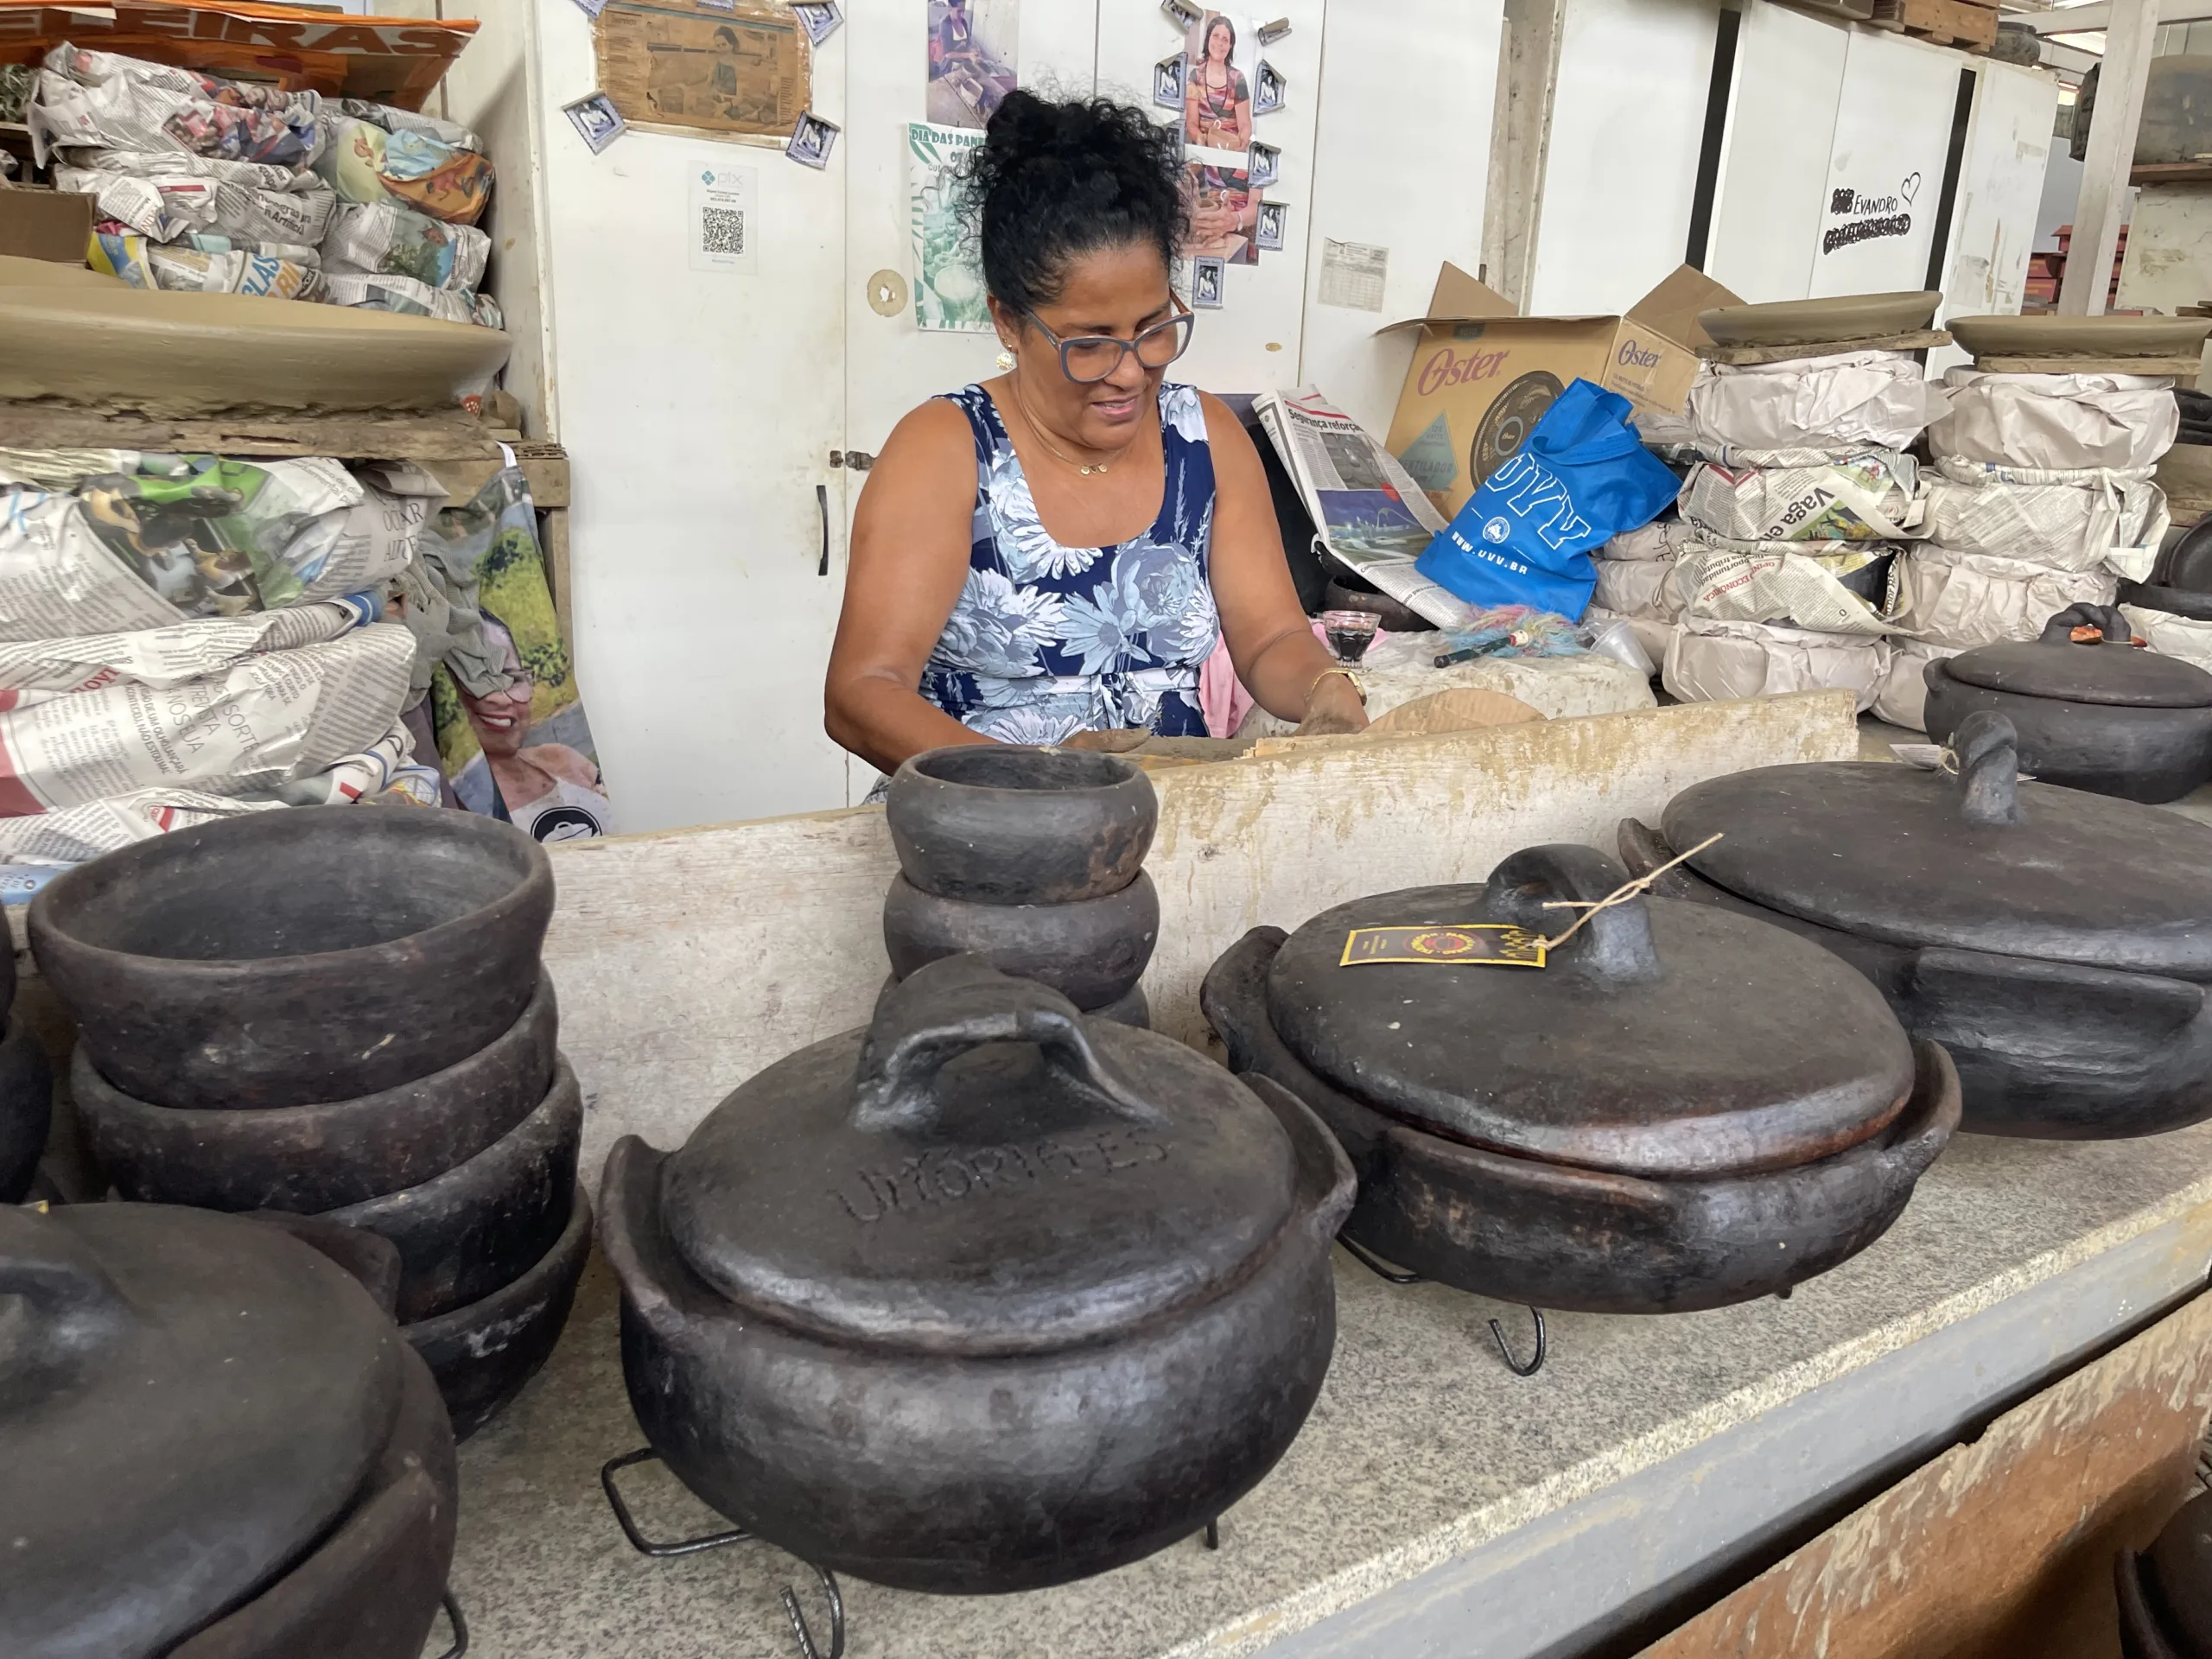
(997, 823)
(2166, 1593)
(315, 1158)
(1092, 951)
(2052, 335)
(483, 1353)
(176, 353)
(26, 1109)
(1820, 323)
(371, 1589)
(286, 958)
(483, 1224)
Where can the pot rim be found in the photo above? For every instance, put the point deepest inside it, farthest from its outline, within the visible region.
(535, 878)
(939, 767)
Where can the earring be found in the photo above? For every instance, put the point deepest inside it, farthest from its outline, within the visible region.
(1006, 361)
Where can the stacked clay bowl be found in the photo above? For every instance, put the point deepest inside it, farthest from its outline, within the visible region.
(26, 1093)
(339, 1011)
(1033, 858)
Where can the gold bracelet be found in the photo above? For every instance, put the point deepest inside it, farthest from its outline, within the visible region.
(1358, 690)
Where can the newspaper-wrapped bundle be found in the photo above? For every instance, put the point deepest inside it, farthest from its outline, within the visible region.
(1662, 538)
(144, 263)
(2098, 518)
(405, 294)
(269, 720)
(1803, 496)
(1368, 512)
(100, 100)
(1775, 582)
(1642, 588)
(1902, 697)
(171, 197)
(2172, 636)
(394, 119)
(1964, 599)
(1844, 401)
(2057, 422)
(33, 670)
(376, 237)
(190, 536)
(426, 171)
(1711, 661)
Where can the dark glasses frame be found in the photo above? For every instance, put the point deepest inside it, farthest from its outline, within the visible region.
(1184, 319)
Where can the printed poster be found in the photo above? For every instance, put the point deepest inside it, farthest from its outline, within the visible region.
(973, 52)
(1225, 213)
(740, 70)
(948, 275)
(1219, 57)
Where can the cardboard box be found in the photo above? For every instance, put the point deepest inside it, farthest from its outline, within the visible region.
(45, 224)
(1481, 376)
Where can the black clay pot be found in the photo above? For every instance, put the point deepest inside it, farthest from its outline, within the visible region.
(283, 958)
(26, 1109)
(1064, 1286)
(1000, 825)
(2166, 1593)
(1133, 1009)
(1091, 952)
(2102, 717)
(483, 1224)
(483, 1353)
(2175, 601)
(316, 1158)
(1389, 615)
(1607, 1152)
(265, 1387)
(2057, 944)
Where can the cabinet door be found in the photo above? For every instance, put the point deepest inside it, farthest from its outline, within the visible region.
(700, 406)
(1773, 188)
(1885, 170)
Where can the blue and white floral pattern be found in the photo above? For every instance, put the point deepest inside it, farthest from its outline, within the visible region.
(1047, 641)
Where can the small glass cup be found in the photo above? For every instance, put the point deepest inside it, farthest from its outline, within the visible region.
(1349, 632)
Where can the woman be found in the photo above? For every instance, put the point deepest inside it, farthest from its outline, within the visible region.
(1217, 106)
(546, 790)
(1058, 552)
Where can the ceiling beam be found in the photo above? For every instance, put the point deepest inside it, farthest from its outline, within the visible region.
(2081, 20)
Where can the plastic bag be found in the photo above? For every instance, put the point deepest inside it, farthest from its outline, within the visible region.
(416, 169)
(1524, 536)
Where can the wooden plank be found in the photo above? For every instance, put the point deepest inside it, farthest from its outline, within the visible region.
(446, 435)
(2000, 1550)
(2171, 173)
(1944, 21)
(687, 960)
(556, 523)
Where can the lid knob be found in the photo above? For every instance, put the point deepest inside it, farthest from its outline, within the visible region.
(1986, 748)
(960, 1002)
(1548, 889)
(2112, 628)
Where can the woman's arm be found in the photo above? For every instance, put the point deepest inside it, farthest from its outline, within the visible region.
(1285, 669)
(909, 560)
(1241, 129)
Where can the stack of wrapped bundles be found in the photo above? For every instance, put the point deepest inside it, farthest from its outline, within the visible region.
(403, 238)
(183, 637)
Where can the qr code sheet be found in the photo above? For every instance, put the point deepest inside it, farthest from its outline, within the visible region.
(723, 230)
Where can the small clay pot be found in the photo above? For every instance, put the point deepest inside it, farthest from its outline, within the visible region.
(482, 1354)
(481, 1225)
(311, 1159)
(282, 958)
(26, 1109)
(997, 823)
(1092, 951)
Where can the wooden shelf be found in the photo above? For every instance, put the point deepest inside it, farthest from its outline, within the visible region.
(2171, 172)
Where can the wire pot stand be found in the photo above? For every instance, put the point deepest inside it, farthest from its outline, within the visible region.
(1383, 1270)
(660, 1550)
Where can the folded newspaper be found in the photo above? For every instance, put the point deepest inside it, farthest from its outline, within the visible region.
(376, 238)
(101, 99)
(2071, 519)
(169, 202)
(145, 263)
(1803, 495)
(1367, 511)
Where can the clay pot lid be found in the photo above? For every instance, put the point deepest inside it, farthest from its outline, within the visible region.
(1976, 862)
(981, 1170)
(1664, 1038)
(2107, 670)
(2179, 1565)
(2048, 334)
(1814, 322)
(188, 1401)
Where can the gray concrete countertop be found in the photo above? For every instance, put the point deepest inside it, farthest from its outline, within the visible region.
(1422, 1449)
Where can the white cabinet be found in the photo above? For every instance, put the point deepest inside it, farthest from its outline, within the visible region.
(1774, 171)
(1893, 120)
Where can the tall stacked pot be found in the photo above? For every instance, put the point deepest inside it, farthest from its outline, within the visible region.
(340, 1011)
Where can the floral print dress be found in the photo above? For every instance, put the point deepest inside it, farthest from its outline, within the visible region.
(1047, 641)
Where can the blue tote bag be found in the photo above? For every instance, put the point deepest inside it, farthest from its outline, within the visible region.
(1525, 535)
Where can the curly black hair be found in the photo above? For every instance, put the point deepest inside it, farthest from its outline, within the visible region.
(1055, 179)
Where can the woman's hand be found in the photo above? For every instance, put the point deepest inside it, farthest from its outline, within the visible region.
(1335, 707)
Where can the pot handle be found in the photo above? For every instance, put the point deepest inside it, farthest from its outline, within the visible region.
(961, 1002)
(2112, 626)
(1614, 944)
(64, 1284)
(1986, 750)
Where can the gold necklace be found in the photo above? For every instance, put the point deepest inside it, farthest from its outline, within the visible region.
(1038, 432)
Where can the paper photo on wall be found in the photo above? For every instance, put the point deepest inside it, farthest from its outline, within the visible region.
(1181, 13)
(1264, 163)
(1225, 213)
(679, 66)
(595, 117)
(1207, 280)
(812, 140)
(819, 18)
(1217, 106)
(1267, 237)
(1167, 82)
(948, 275)
(972, 56)
(1269, 90)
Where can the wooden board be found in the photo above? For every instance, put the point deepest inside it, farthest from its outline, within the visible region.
(1947, 22)
(2002, 1548)
(1918, 340)
(2185, 366)
(453, 436)
(687, 960)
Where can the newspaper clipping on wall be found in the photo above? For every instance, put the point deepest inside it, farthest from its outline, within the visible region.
(740, 71)
(949, 294)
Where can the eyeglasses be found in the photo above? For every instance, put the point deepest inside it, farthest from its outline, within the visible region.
(1088, 359)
